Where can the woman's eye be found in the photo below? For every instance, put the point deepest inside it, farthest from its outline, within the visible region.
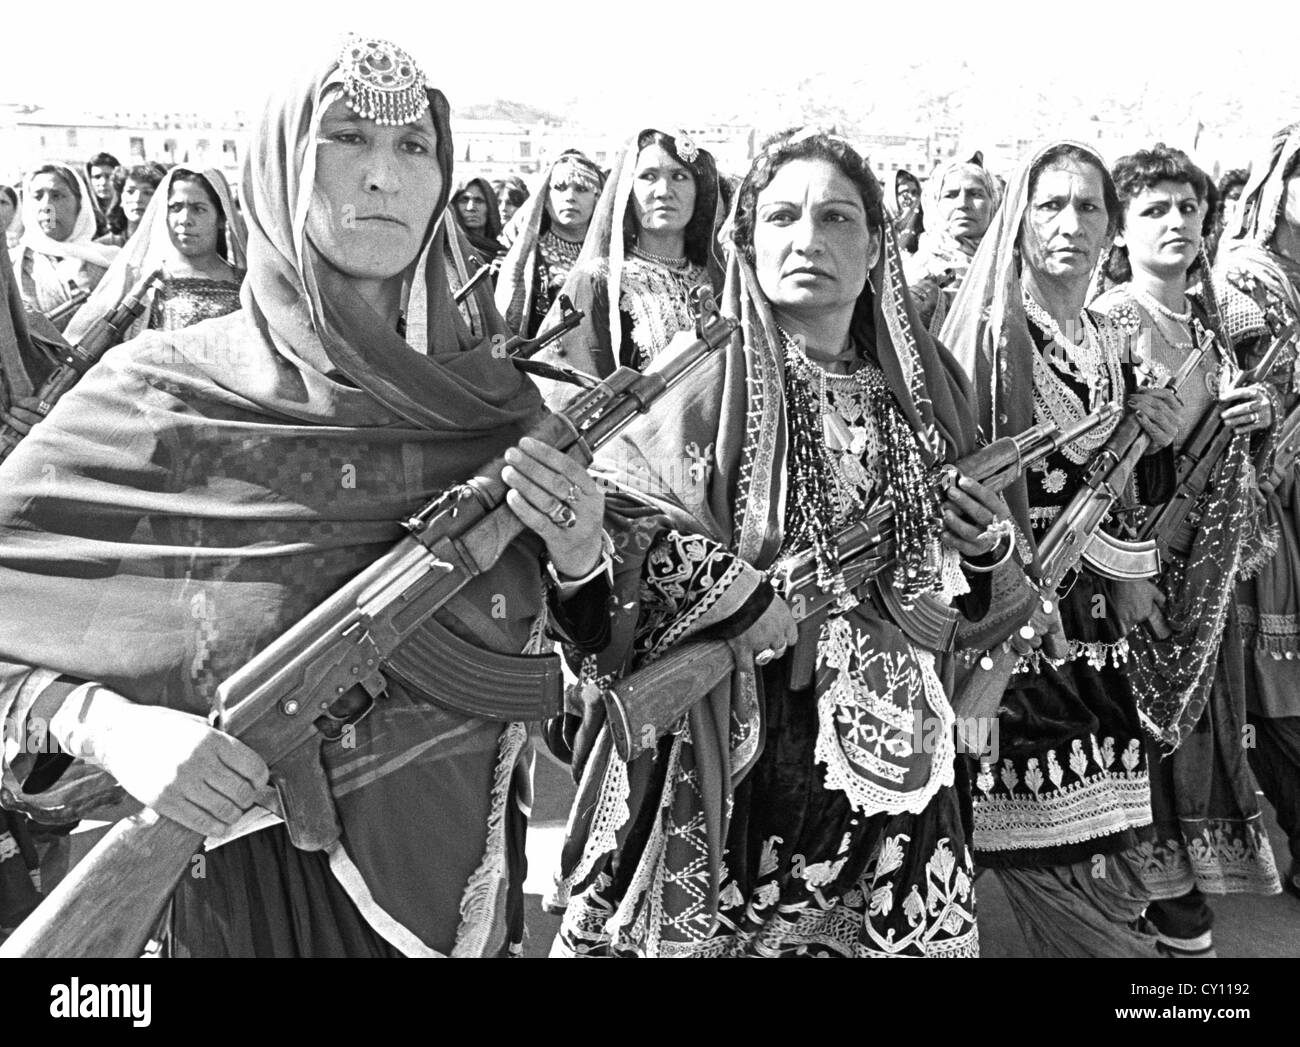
(346, 137)
(416, 147)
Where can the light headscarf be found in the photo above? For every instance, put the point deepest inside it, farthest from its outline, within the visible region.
(80, 243)
(987, 329)
(936, 239)
(517, 281)
(151, 247)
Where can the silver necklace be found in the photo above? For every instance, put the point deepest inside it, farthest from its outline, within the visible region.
(1153, 305)
(658, 259)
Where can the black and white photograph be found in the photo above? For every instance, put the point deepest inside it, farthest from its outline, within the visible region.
(659, 480)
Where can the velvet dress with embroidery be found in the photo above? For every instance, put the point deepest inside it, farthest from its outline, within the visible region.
(848, 837)
(1071, 781)
(1207, 831)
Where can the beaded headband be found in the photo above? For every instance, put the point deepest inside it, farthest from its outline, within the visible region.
(382, 81)
(577, 171)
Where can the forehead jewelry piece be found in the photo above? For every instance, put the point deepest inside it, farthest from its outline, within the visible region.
(687, 150)
(382, 81)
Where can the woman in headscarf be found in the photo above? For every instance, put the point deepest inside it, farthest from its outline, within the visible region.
(200, 490)
(476, 209)
(960, 198)
(193, 231)
(1207, 835)
(8, 210)
(774, 821)
(1055, 818)
(57, 255)
(544, 239)
(909, 216)
(1262, 244)
(651, 242)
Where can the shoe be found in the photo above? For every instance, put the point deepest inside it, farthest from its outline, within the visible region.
(1199, 948)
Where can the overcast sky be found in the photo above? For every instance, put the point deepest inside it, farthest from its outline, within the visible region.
(647, 55)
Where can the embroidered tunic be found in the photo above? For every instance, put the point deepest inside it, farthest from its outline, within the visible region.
(847, 838)
(185, 301)
(655, 303)
(1071, 781)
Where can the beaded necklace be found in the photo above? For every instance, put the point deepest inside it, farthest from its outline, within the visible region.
(847, 441)
(659, 259)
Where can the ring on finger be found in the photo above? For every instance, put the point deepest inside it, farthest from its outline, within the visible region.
(563, 516)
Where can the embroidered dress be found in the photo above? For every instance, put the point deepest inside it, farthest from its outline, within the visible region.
(1207, 832)
(1072, 778)
(655, 303)
(556, 257)
(185, 301)
(848, 838)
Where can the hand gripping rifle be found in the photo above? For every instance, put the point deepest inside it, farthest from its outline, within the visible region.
(1072, 538)
(107, 332)
(283, 703)
(1275, 462)
(1198, 458)
(641, 707)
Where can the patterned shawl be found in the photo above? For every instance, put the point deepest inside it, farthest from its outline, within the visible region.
(200, 490)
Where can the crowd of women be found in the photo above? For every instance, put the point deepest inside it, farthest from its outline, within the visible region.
(318, 361)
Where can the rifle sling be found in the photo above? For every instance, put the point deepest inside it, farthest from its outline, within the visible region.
(475, 681)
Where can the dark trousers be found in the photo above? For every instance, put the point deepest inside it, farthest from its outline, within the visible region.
(1275, 759)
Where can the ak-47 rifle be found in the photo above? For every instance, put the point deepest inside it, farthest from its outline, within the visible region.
(1275, 462)
(641, 707)
(65, 309)
(472, 283)
(1075, 536)
(1199, 457)
(286, 701)
(80, 358)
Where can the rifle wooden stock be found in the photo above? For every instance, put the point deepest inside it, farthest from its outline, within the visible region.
(272, 704)
(641, 706)
(137, 865)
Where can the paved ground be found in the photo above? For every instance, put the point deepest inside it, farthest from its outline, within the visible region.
(1245, 925)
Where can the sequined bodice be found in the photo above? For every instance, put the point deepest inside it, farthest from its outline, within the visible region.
(187, 300)
(657, 298)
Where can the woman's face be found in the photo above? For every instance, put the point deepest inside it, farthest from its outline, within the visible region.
(663, 191)
(964, 204)
(812, 245)
(571, 204)
(472, 207)
(6, 212)
(192, 221)
(375, 191)
(1066, 224)
(507, 209)
(135, 199)
(907, 195)
(1162, 229)
(101, 183)
(56, 207)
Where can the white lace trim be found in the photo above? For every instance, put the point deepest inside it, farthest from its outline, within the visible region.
(612, 813)
(849, 691)
(485, 892)
(1104, 805)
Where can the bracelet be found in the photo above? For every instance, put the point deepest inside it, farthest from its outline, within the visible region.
(1006, 529)
(604, 565)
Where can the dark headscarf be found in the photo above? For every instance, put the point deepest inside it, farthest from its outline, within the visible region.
(484, 241)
